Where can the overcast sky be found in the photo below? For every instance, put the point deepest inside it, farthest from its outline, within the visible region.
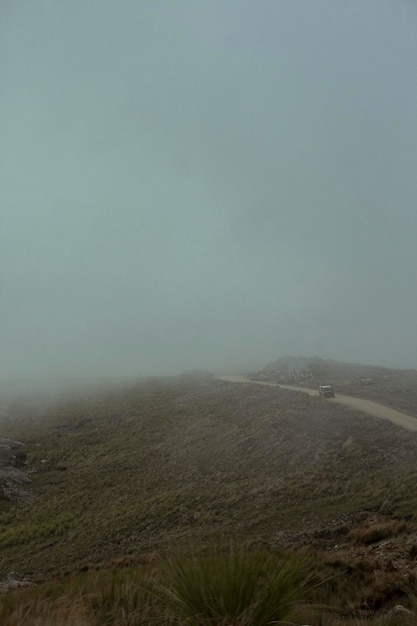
(206, 184)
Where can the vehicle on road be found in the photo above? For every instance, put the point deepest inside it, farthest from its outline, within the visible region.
(326, 391)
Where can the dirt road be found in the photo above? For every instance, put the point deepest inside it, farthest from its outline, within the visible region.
(366, 406)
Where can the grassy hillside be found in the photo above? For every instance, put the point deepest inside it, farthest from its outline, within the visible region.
(124, 473)
(130, 471)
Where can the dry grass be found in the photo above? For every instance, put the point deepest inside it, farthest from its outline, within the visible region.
(367, 535)
(110, 597)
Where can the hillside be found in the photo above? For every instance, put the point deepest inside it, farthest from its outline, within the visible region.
(193, 459)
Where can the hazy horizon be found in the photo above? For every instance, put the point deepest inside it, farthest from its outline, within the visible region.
(206, 185)
(222, 371)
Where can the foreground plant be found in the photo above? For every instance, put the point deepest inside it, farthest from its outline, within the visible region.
(239, 588)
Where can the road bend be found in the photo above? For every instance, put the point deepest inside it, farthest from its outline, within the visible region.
(359, 404)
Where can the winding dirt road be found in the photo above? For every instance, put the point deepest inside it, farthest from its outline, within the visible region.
(366, 406)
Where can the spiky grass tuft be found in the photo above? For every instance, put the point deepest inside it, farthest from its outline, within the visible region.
(239, 588)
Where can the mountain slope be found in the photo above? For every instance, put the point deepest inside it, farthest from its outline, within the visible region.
(190, 459)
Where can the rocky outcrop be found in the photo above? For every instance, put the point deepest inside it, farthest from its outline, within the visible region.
(9, 452)
(401, 615)
(13, 480)
(12, 582)
(4, 416)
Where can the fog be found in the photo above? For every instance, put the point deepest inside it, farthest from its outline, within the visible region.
(206, 184)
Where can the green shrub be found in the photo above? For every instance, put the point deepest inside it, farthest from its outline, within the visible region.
(237, 588)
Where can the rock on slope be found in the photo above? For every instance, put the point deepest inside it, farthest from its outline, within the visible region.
(13, 480)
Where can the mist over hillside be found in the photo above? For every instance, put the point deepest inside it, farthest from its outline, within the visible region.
(396, 388)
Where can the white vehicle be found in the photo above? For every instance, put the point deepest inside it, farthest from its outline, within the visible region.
(326, 391)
